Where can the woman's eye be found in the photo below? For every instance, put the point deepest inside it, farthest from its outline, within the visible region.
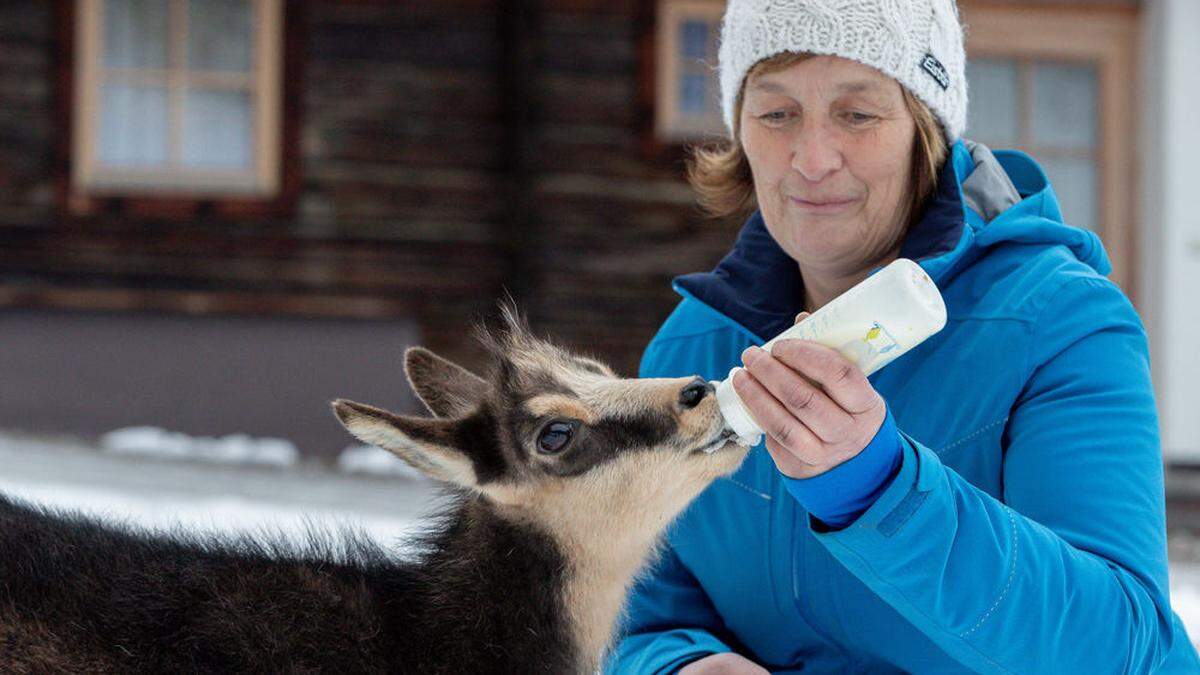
(777, 116)
(859, 118)
(555, 437)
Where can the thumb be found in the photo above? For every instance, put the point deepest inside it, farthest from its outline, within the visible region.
(802, 316)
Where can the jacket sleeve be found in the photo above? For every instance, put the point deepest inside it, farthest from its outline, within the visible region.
(669, 620)
(1068, 574)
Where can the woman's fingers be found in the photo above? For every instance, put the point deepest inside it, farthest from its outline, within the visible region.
(816, 407)
(837, 375)
(775, 420)
(801, 398)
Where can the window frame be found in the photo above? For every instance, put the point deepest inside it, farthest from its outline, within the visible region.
(75, 198)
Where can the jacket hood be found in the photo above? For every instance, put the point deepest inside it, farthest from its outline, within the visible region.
(982, 200)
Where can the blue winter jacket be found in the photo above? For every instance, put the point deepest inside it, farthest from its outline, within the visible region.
(1025, 529)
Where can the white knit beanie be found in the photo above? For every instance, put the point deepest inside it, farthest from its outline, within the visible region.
(919, 43)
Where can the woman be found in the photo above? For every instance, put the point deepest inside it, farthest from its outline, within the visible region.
(992, 500)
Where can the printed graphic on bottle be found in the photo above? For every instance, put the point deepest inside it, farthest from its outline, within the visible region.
(879, 338)
(869, 348)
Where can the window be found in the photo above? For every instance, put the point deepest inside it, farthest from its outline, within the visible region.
(1049, 109)
(687, 99)
(1056, 83)
(177, 96)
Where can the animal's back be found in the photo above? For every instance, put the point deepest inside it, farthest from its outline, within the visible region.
(79, 596)
(82, 596)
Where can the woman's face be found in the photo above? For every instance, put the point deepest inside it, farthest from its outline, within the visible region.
(830, 144)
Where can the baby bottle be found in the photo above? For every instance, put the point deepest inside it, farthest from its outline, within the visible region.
(882, 317)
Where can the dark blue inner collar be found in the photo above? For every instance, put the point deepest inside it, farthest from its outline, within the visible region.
(759, 286)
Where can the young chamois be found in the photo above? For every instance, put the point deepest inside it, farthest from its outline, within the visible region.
(563, 478)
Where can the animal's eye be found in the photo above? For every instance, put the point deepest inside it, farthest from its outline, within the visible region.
(555, 437)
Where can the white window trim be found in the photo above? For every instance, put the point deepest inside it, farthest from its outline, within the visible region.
(266, 90)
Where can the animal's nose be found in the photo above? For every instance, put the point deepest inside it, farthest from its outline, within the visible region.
(694, 392)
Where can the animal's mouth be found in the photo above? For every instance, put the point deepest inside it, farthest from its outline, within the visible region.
(712, 445)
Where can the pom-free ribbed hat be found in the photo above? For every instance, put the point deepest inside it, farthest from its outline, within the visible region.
(919, 43)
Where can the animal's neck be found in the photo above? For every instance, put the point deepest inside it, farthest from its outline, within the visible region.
(598, 584)
(606, 537)
(553, 598)
(499, 585)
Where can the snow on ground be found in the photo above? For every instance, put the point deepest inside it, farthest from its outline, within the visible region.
(156, 489)
(156, 443)
(1184, 553)
(373, 460)
(1185, 597)
(232, 449)
(367, 491)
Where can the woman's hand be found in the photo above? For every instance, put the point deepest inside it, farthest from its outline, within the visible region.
(816, 408)
(728, 663)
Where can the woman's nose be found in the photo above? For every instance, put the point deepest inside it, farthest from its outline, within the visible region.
(816, 153)
(694, 392)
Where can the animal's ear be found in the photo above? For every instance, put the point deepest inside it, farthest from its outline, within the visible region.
(429, 445)
(446, 388)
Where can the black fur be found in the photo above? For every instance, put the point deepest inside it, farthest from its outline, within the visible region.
(80, 596)
(611, 437)
(478, 436)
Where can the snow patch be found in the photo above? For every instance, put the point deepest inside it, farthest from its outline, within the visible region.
(245, 449)
(231, 449)
(1185, 597)
(372, 459)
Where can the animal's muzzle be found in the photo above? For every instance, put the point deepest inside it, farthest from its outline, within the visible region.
(694, 392)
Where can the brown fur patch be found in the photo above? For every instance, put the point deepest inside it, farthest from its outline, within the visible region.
(603, 368)
(28, 647)
(560, 405)
(630, 398)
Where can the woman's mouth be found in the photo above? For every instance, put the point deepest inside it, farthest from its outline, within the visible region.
(823, 206)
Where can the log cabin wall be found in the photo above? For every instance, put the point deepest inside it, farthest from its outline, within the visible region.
(445, 152)
(615, 217)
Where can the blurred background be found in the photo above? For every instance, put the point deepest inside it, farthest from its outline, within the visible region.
(217, 215)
